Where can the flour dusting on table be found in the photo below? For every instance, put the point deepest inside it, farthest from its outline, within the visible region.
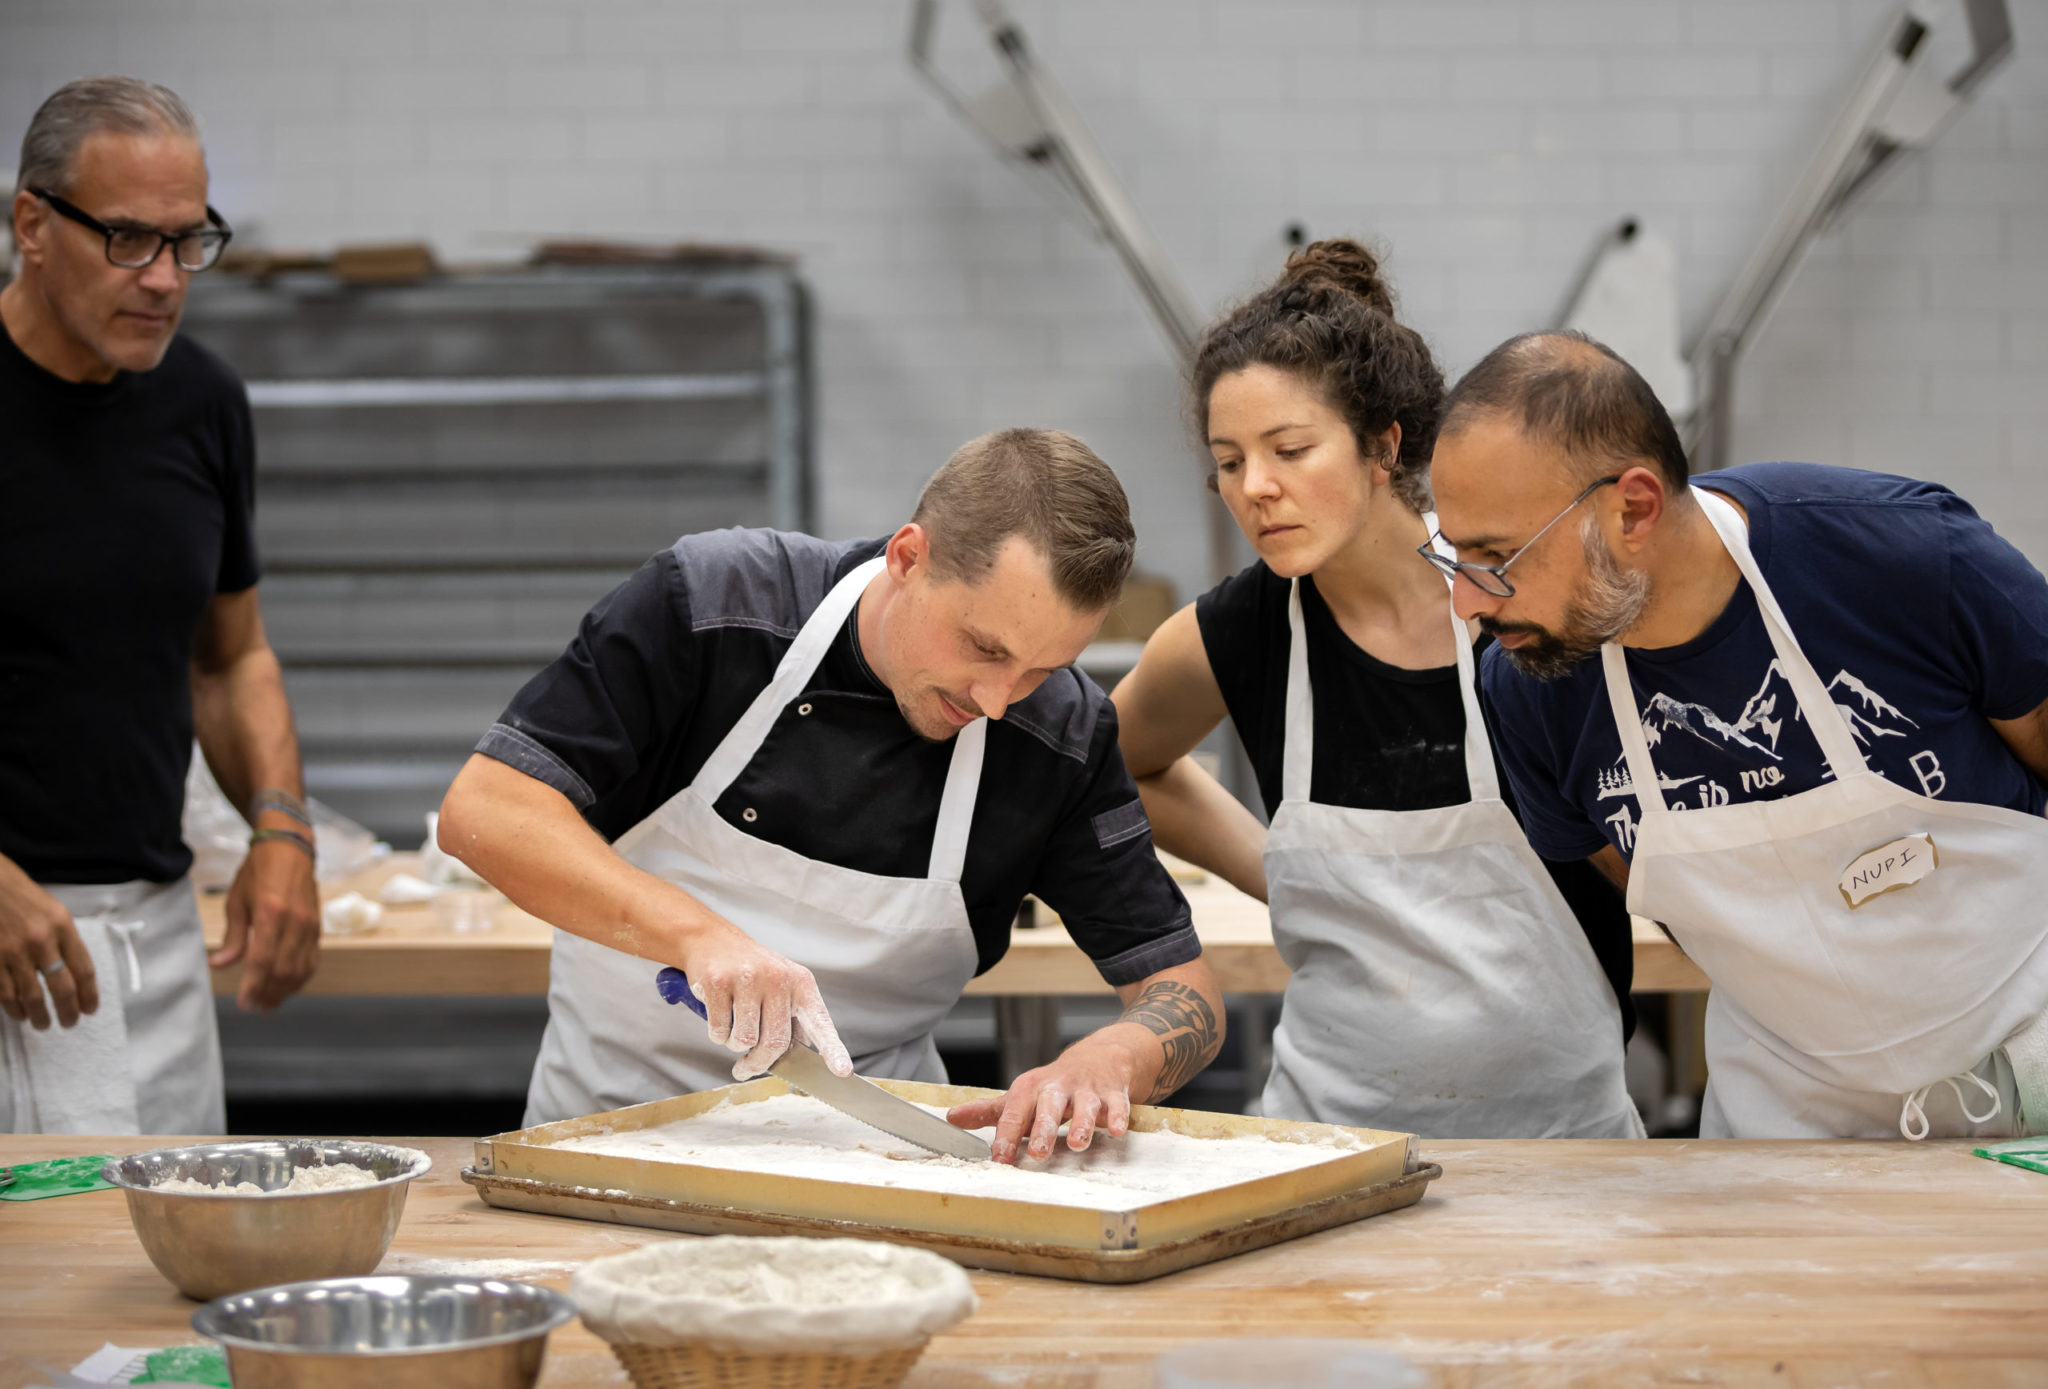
(524, 1270)
(797, 1136)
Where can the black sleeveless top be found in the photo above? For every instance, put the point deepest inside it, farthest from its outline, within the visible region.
(1387, 738)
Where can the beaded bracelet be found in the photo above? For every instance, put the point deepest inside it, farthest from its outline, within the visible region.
(283, 801)
(289, 836)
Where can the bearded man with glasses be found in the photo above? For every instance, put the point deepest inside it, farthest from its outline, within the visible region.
(128, 597)
(1799, 713)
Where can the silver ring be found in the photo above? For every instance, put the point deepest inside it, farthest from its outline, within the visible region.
(52, 969)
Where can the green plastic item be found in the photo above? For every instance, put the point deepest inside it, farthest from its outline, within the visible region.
(58, 1177)
(2030, 1153)
(186, 1365)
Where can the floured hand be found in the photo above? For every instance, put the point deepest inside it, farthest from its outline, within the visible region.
(1172, 1026)
(1088, 1088)
(757, 1002)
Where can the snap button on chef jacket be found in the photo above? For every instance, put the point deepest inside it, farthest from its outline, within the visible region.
(664, 666)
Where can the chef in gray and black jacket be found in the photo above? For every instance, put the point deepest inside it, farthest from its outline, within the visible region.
(818, 777)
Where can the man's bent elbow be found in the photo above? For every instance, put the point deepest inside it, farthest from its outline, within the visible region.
(465, 810)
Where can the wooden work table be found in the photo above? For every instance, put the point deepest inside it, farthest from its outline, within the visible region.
(1796, 1265)
(410, 952)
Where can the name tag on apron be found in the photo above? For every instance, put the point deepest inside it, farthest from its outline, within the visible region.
(1888, 868)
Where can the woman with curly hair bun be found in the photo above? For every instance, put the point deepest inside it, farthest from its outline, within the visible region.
(1441, 984)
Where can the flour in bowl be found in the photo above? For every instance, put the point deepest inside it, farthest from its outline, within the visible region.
(797, 1136)
(337, 1177)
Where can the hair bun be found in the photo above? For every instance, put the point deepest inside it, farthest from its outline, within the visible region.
(1343, 265)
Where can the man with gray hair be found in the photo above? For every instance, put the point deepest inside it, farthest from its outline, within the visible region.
(128, 594)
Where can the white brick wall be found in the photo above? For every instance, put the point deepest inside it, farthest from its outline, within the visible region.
(1484, 143)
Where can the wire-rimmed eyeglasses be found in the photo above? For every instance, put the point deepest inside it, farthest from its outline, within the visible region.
(132, 248)
(1493, 578)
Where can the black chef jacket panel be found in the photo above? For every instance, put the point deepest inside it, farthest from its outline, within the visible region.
(665, 665)
(849, 745)
(125, 507)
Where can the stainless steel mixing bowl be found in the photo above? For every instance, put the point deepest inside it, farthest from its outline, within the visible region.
(386, 1333)
(212, 1243)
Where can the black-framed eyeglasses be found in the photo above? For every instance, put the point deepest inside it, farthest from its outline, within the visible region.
(1493, 578)
(132, 248)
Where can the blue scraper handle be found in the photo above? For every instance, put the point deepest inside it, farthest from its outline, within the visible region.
(674, 987)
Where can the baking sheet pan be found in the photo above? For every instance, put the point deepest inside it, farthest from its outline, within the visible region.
(522, 1171)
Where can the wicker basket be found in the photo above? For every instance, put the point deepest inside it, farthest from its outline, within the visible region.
(731, 1311)
(700, 1367)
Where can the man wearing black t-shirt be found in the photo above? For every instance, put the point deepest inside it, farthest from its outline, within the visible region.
(818, 777)
(128, 599)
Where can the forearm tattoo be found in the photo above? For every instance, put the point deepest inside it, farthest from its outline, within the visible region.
(1186, 1027)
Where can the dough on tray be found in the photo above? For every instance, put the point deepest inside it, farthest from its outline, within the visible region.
(797, 1136)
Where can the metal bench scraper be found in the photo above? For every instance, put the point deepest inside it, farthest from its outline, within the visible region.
(803, 1069)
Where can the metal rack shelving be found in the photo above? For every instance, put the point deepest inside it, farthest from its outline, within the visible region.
(451, 471)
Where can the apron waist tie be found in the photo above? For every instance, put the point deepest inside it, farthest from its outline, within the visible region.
(125, 932)
(1913, 1113)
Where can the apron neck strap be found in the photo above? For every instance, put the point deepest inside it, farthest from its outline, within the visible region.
(956, 803)
(1830, 729)
(1298, 741)
(1823, 716)
(1297, 761)
(793, 672)
(1479, 772)
(1628, 723)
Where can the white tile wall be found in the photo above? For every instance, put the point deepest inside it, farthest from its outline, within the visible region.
(1484, 143)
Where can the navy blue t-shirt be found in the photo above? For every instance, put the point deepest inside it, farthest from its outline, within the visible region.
(1919, 619)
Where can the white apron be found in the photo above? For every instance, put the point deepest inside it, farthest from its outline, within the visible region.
(891, 955)
(1441, 985)
(149, 1060)
(1828, 1020)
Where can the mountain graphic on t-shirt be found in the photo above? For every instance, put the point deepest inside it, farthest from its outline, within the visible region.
(1763, 716)
(1869, 714)
(1757, 729)
(1867, 711)
(1665, 715)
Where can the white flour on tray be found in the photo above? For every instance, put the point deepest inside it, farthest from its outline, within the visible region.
(797, 1136)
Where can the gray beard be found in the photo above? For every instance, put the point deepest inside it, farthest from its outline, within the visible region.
(1608, 603)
